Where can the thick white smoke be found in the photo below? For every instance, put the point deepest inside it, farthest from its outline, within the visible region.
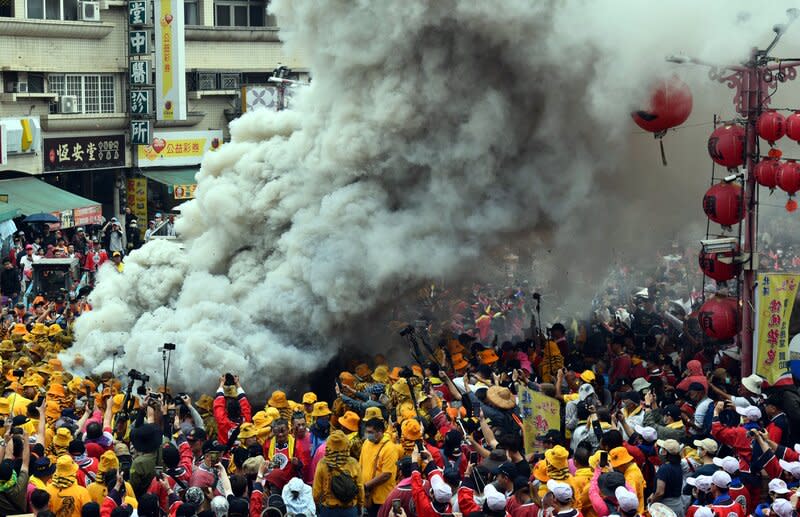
(432, 132)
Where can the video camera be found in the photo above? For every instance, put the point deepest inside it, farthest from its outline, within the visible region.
(136, 375)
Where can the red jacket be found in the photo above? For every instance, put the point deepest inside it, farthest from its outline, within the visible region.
(729, 509)
(182, 473)
(422, 502)
(735, 437)
(225, 425)
(466, 501)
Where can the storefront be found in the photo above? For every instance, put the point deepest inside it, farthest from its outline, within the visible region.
(21, 197)
(168, 167)
(86, 166)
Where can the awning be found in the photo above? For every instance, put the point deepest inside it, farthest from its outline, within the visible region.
(30, 195)
(180, 182)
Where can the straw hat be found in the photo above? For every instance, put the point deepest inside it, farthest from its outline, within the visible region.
(309, 398)
(381, 374)
(411, 429)
(373, 413)
(65, 466)
(19, 329)
(349, 421)
(7, 346)
(278, 400)
(501, 397)
(321, 409)
(62, 437)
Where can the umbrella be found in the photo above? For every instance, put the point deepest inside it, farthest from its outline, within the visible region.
(41, 217)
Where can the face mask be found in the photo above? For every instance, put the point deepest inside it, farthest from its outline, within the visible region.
(372, 437)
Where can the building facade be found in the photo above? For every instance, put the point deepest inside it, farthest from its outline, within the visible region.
(65, 105)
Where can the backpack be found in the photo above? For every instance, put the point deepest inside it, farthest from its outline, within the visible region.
(343, 486)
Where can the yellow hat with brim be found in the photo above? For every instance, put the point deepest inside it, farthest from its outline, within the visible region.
(349, 421)
(65, 466)
(39, 329)
(54, 330)
(205, 402)
(381, 374)
(7, 345)
(278, 400)
(19, 329)
(62, 437)
(619, 456)
(321, 409)
(5, 406)
(309, 398)
(247, 430)
(108, 460)
(373, 413)
(411, 429)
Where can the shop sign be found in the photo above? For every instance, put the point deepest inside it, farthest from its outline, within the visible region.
(184, 191)
(178, 148)
(139, 43)
(170, 60)
(140, 132)
(87, 215)
(141, 102)
(138, 12)
(85, 152)
(140, 73)
(137, 201)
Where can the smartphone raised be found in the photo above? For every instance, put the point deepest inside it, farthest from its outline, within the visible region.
(473, 457)
(396, 506)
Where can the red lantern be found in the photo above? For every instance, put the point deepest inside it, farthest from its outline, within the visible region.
(771, 126)
(670, 105)
(766, 172)
(726, 146)
(789, 177)
(723, 203)
(720, 265)
(793, 126)
(719, 317)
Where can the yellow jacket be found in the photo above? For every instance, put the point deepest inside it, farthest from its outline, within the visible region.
(98, 492)
(321, 490)
(635, 479)
(68, 501)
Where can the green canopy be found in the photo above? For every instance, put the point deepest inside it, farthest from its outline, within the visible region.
(28, 196)
(171, 177)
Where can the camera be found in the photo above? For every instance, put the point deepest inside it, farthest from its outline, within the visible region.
(169, 346)
(229, 380)
(19, 373)
(136, 375)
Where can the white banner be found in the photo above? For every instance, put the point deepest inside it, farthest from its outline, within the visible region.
(170, 60)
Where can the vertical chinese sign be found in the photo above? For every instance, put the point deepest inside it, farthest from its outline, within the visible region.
(170, 60)
(539, 413)
(140, 76)
(137, 201)
(775, 298)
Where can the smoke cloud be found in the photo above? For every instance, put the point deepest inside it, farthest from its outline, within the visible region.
(431, 134)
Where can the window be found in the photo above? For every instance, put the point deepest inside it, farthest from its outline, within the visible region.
(190, 12)
(95, 93)
(52, 9)
(239, 13)
(7, 8)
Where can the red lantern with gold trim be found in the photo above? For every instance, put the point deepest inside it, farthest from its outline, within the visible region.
(771, 126)
(722, 203)
(726, 146)
(719, 317)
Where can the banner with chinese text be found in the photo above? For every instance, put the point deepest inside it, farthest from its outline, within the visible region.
(170, 60)
(539, 413)
(775, 296)
(137, 201)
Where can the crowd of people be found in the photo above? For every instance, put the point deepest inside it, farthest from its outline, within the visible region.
(654, 418)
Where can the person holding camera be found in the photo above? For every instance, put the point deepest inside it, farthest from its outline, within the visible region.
(231, 407)
(13, 485)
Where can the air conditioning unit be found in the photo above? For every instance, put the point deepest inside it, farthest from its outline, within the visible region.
(89, 11)
(68, 104)
(229, 81)
(206, 81)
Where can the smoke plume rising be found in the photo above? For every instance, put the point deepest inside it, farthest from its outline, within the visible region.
(432, 132)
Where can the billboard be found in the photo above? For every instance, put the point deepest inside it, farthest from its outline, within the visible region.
(170, 60)
(177, 148)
